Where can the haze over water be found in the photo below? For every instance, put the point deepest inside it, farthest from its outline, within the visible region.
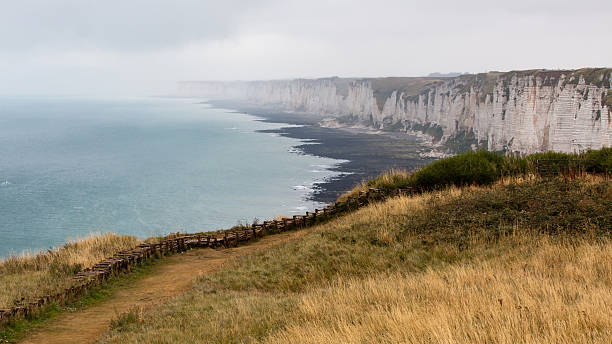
(141, 166)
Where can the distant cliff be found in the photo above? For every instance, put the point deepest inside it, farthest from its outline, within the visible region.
(521, 111)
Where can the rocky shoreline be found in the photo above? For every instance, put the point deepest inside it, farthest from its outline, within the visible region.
(366, 154)
(519, 111)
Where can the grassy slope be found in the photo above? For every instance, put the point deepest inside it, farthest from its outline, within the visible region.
(16, 331)
(484, 168)
(477, 264)
(30, 276)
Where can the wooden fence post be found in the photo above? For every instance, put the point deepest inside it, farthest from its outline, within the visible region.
(123, 261)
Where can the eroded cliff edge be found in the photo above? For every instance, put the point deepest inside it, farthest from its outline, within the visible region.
(519, 111)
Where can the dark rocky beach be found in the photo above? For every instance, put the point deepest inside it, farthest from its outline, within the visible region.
(367, 154)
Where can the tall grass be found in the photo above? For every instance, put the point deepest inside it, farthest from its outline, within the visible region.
(386, 181)
(428, 268)
(559, 294)
(472, 208)
(31, 275)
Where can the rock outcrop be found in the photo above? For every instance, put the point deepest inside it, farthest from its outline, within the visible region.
(524, 111)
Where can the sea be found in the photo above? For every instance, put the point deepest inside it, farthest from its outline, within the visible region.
(71, 166)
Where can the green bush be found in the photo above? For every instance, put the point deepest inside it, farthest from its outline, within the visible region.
(598, 161)
(483, 167)
(594, 161)
(555, 162)
(517, 165)
(478, 168)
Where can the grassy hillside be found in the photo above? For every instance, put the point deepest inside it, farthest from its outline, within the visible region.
(484, 168)
(33, 275)
(484, 251)
(521, 260)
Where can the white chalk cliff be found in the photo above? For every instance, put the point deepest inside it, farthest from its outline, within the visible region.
(527, 111)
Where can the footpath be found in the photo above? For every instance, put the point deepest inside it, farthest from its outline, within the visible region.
(168, 279)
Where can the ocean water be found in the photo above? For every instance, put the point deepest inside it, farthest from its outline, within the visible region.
(140, 166)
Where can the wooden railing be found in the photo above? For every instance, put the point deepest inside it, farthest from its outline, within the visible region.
(562, 167)
(124, 261)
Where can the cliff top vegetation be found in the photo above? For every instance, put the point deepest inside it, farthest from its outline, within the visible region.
(31, 275)
(384, 87)
(521, 258)
(482, 83)
(485, 251)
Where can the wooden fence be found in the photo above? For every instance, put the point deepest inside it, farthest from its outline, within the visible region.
(124, 261)
(570, 168)
(562, 167)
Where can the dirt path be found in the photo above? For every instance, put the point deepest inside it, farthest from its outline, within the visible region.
(167, 280)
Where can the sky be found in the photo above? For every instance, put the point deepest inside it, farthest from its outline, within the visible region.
(143, 47)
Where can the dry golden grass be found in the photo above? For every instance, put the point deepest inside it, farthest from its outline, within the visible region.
(31, 275)
(560, 294)
(549, 291)
(389, 179)
(430, 268)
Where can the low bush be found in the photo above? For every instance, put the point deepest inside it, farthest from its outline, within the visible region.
(479, 168)
(496, 264)
(484, 168)
(598, 161)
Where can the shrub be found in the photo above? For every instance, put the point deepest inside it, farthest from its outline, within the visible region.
(598, 161)
(484, 168)
(554, 162)
(517, 165)
(478, 168)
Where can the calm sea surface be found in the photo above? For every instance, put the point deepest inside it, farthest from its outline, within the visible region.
(70, 167)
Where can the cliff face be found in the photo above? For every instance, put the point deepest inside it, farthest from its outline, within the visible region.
(528, 111)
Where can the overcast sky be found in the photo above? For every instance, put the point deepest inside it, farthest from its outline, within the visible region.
(137, 47)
